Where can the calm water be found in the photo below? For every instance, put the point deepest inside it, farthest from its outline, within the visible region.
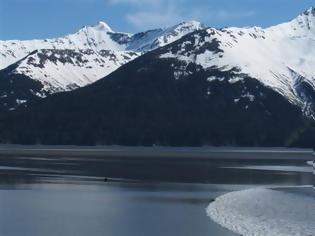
(68, 196)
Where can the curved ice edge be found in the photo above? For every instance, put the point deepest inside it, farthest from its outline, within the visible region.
(264, 212)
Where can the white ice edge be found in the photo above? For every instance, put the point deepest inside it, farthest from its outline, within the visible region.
(264, 212)
(311, 163)
(306, 169)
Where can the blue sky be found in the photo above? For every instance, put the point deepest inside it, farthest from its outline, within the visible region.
(28, 19)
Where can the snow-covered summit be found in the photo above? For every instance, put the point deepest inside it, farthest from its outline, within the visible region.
(100, 26)
(104, 26)
(152, 39)
(310, 11)
(186, 26)
(301, 26)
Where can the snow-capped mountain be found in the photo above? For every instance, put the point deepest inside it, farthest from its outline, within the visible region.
(98, 37)
(150, 101)
(98, 48)
(282, 57)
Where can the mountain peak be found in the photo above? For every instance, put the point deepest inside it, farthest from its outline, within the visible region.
(310, 12)
(191, 24)
(305, 21)
(103, 26)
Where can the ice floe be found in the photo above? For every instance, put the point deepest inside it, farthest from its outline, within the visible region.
(264, 212)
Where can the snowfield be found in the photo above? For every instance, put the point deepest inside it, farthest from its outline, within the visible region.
(264, 212)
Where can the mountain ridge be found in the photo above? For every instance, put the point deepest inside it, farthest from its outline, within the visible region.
(96, 37)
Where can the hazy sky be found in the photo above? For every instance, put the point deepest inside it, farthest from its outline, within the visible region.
(27, 19)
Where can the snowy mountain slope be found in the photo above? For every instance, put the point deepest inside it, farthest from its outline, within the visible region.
(64, 70)
(276, 56)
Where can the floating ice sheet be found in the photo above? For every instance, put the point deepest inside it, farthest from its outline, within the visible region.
(263, 212)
